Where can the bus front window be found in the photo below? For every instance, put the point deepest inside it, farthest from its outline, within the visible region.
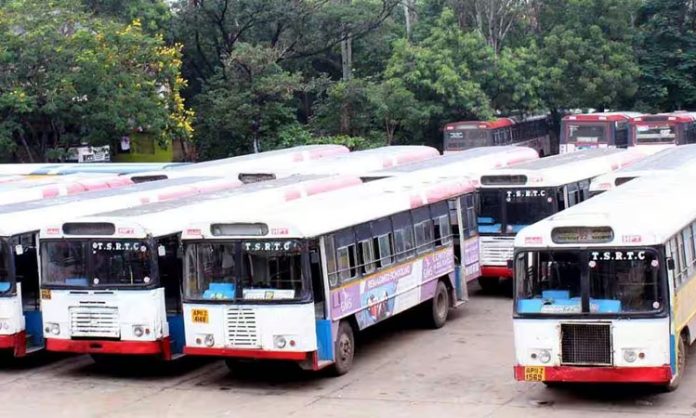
(662, 134)
(490, 219)
(587, 133)
(527, 206)
(64, 263)
(620, 281)
(6, 276)
(245, 270)
(87, 263)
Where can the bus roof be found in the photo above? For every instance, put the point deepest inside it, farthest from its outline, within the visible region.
(340, 209)
(67, 188)
(469, 162)
(360, 162)
(601, 116)
(681, 158)
(646, 211)
(171, 217)
(72, 168)
(277, 159)
(481, 124)
(25, 217)
(562, 169)
(674, 117)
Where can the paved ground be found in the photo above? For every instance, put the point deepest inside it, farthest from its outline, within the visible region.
(462, 370)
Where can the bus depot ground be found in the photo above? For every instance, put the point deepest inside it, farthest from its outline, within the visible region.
(401, 369)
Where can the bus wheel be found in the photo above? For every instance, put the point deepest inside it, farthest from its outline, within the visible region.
(489, 284)
(681, 366)
(344, 349)
(438, 307)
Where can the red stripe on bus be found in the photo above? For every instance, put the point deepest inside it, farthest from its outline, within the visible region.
(251, 354)
(658, 374)
(106, 346)
(51, 192)
(495, 271)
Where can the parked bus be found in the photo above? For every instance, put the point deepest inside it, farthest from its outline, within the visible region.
(675, 159)
(20, 315)
(26, 193)
(514, 197)
(470, 162)
(53, 169)
(297, 282)
(111, 283)
(277, 159)
(595, 130)
(531, 132)
(656, 132)
(604, 291)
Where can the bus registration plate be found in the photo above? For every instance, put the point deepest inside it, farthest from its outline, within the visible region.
(534, 374)
(199, 316)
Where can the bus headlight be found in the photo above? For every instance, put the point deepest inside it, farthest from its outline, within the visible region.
(544, 356)
(138, 331)
(630, 355)
(209, 340)
(279, 341)
(52, 328)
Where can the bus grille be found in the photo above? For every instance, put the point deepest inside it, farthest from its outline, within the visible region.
(94, 321)
(241, 327)
(496, 251)
(586, 344)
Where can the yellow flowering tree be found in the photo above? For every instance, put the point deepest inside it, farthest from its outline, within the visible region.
(69, 77)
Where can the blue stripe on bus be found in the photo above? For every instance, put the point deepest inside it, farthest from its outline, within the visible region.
(324, 340)
(176, 333)
(34, 328)
(673, 354)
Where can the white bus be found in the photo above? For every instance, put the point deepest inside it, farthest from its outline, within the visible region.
(20, 316)
(110, 283)
(283, 158)
(54, 169)
(470, 162)
(17, 192)
(682, 159)
(514, 197)
(604, 291)
(295, 283)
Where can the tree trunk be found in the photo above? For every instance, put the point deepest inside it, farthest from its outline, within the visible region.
(23, 139)
(407, 16)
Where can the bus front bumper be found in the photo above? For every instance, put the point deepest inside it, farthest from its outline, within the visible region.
(496, 271)
(659, 374)
(159, 347)
(249, 354)
(16, 342)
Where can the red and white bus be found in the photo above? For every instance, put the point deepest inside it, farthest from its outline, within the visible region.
(530, 132)
(595, 130)
(656, 132)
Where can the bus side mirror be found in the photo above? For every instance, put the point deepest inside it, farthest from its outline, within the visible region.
(510, 264)
(670, 264)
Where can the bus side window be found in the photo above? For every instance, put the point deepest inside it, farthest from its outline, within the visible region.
(367, 254)
(688, 251)
(347, 263)
(573, 194)
(472, 223)
(561, 199)
(403, 235)
(386, 249)
(317, 281)
(330, 249)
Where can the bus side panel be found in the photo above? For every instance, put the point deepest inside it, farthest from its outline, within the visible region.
(394, 290)
(177, 335)
(472, 262)
(325, 340)
(34, 328)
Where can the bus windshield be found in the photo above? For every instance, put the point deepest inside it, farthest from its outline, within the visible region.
(587, 133)
(618, 281)
(656, 134)
(509, 210)
(86, 263)
(245, 270)
(465, 139)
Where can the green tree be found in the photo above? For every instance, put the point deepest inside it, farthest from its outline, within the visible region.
(246, 104)
(155, 15)
(667, 55)
(67, 77)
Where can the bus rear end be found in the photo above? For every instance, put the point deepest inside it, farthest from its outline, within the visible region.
(654, 133)
(594, 130)
(462, 136)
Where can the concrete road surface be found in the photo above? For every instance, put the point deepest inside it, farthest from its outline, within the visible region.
(401, 370)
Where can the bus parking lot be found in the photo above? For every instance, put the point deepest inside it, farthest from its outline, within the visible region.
(401, 370)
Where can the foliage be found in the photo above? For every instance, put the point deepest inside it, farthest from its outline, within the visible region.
(67, 77)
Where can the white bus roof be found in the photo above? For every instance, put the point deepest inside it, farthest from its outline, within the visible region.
(469, 162)
(25, 217)
(339, 209)
(72, 168)
(561, 169)
(167, 218)
(276, 159)
(31, 192)
(365, 161)
(646, 211)
(681, 158)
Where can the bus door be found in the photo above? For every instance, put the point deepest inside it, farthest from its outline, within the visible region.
(26, 271)
(325, 345)
(170, 266)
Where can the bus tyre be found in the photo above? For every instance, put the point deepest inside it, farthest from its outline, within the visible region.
(439, 307)
(681, 366)
(344, 349)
